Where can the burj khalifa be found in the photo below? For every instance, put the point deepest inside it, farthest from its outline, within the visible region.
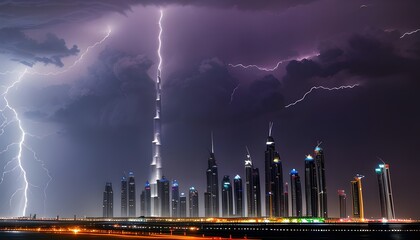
(156, 165)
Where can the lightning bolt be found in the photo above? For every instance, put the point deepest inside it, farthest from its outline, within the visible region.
(323, 88)
(409, 33)
(17, 160)
(268, 69)
(77, 60)
(160, 42)
(20, 144)
(233, 93)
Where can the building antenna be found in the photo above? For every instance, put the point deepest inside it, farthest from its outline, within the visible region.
(270, 128)
(319, 143)
(380, 159)
(212, 143)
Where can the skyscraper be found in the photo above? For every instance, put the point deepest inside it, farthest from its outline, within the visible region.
(385, 191)
(156, 165)
(357, 197)
(193, 202)
(131, 195)
(148, 200)
(211, 197)
(342, 199)
(108, 201)
(286, 199)
(227, 200)
(321, 183)
(296, 190)
(311, 189)
(175, 199)
(163, 196)
(238, 195)
(274, 198)
(124, 199)
(143, 203)
(252, 185)
(182, 205)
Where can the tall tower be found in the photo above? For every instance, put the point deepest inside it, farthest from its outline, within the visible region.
(342, 199)
(385, 191)
(321, 183)
(193, 197)
(274, 195)
(252, 186)
(357, 197)
(175, 198)
(124, 199)
(211, 197)
(286, 199)
(163, 196)
(182, 205)
(311, 189)
(131, 195)
(238, 195)
(156, 165)
(227, 201)
(296, 190)
(108, 201)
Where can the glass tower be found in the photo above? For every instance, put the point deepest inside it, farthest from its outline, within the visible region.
(385, 191)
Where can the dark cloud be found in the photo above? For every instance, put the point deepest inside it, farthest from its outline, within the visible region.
(28, 14)
(209, 97)
(25, 50)
(371, 54)
(272, 5)
(116, 92)
(39, 13)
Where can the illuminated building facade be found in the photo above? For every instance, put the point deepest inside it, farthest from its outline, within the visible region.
(182, 205)
(211, 197)
(296, 192)
(252, 185)
(286, 199)
(385, 191)
(193, 197)
(148, 200)
(108, 201)
(342, 201)
(357, 197)
(175, 199)
(238, 196)
(124, 195)
(321, 182)
(274, 198)
(227, 200)
(311, 189)
(131, 195)
(163, 197)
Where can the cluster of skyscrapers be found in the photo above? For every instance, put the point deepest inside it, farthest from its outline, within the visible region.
(160, 199)
(232, 200)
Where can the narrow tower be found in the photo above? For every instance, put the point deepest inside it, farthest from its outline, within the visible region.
(357, 197)
(311, 189)
(385, 191)
(211, 197)
(321, 183)
(108, 201)
(342, 198)
(124, 199)
(156, 165)
(238, 196)
(296, 190)
(274, 195)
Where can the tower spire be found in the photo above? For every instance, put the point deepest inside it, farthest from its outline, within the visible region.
(212, 143)
(270, 127)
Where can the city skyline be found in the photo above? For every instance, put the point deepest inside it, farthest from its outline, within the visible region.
(81, 100)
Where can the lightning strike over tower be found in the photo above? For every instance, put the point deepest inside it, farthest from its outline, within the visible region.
(156, 165)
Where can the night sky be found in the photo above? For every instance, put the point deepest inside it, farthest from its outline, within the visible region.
(94, 122)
